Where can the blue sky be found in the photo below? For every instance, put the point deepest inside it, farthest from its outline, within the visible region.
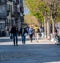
(26, 10)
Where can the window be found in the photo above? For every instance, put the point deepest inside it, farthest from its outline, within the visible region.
(3, 11)
(3, 1)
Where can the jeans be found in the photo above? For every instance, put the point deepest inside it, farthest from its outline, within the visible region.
(31, 37)
(15, 39)
(23, 39)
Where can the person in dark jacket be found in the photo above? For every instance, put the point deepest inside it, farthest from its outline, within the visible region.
(14, 32)
(23, 35)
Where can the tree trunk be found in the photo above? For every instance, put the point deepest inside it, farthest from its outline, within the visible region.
(53, 25)
(53, 29)
(45, 27)
(48, 29)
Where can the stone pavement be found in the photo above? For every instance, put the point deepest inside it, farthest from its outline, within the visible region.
(29, 42)
(8, 41)
(43, 51)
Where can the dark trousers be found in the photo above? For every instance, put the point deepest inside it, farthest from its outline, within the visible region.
(23, 39)
(15, 39)
(31, 37)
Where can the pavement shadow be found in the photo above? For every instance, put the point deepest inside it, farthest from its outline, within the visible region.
(10, 40)
(31, 53)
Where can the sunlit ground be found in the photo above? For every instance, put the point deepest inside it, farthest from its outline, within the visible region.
(52, 62)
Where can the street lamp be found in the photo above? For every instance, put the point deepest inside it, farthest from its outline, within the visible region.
(46, 23)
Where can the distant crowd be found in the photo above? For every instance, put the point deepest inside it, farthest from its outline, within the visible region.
(33, 32)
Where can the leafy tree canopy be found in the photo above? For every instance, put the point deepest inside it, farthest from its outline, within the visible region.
(38, 8)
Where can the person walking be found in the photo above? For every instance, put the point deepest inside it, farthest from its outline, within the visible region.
(31, 32)
(14, 32)
(23, 34)
(36, 33)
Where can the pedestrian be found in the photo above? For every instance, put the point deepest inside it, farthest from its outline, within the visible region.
(31, 32)
(14, 32)
(36, 33)
(56, 32)
(41, 31)
(23, 35)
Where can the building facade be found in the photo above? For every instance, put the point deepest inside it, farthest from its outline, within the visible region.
(11, 12)
(3, 16)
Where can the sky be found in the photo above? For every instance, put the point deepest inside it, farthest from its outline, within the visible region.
(26, 10)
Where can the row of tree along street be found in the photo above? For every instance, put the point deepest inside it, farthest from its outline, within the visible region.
(47, 12)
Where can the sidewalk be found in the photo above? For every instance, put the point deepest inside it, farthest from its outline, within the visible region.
(40, 41)
(43, 51)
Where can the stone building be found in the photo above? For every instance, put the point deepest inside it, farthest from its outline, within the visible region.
(3, 16)
(11, 12)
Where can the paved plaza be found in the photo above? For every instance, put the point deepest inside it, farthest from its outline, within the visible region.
(43, 51)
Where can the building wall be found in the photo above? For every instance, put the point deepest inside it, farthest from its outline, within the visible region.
(13, 13)
(3, 15)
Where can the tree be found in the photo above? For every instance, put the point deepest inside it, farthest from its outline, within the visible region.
(39, 9)
(45, 10)
(54, 11)
(36, 8)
